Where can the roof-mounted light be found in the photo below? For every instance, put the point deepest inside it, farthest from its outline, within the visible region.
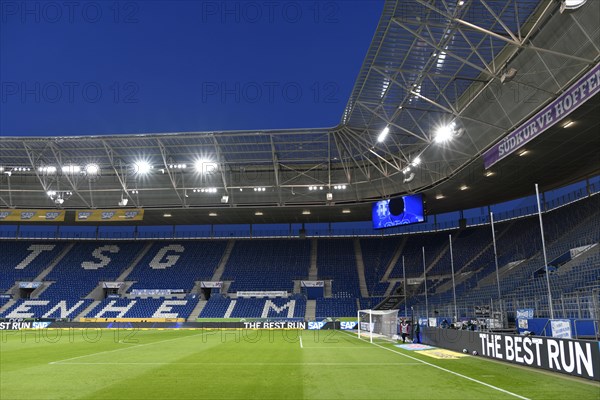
(444, 133)
(142, 167)
(92, 169)
(383, 134)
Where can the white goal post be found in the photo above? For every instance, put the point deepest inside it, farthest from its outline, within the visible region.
(378, 324)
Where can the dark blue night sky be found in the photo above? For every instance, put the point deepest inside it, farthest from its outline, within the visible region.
(104, 67)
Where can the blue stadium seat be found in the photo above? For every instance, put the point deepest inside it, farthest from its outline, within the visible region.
(267, 264)
(177, 265)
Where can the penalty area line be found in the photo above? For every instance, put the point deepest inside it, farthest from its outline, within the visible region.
(301, 342)
(449, 371)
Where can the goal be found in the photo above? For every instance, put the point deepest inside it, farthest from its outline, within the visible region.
(378, 324)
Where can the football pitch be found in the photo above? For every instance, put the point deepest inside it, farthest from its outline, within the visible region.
(192, 364)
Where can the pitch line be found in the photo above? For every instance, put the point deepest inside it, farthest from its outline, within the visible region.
(122, 348)
(241, 363)
(301, 342)
(337, 347)
(447, 370)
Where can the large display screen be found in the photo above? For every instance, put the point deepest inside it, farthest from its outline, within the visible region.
(403, 210)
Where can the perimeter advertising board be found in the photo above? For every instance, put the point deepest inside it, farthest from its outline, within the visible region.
(118, 215)
(568, 356)
(16, 324)
(32, 215)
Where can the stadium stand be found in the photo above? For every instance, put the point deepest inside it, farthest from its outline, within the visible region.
(521, 241)
(572, 237)
(336, 308)
(177, 265)
(370, 303)
(87, 264)
(434, 243)
(40, 308)
(216, 307)
(24, 261)
(337, 262)
(267, 264)
(3, 301)
(377, 254)
(278, 307)
(248, 308)
(143, 308)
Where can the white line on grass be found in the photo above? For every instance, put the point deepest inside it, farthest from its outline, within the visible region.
(240, 363)
(338, 347)
(120, 349)
(447, 370)
(301, 342)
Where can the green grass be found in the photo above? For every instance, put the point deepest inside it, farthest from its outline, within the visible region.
(191, 364)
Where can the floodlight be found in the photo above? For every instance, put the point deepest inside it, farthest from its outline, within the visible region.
(92, 169)
(416, 161)
(383, 134)
(50, 169)
(443, 134)
(204, 166)
(142, 167)
(571, 4)
(71, 169)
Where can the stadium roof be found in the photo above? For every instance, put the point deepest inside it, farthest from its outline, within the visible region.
(483, 66)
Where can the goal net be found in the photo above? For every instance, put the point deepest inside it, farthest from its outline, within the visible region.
(378, 324)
